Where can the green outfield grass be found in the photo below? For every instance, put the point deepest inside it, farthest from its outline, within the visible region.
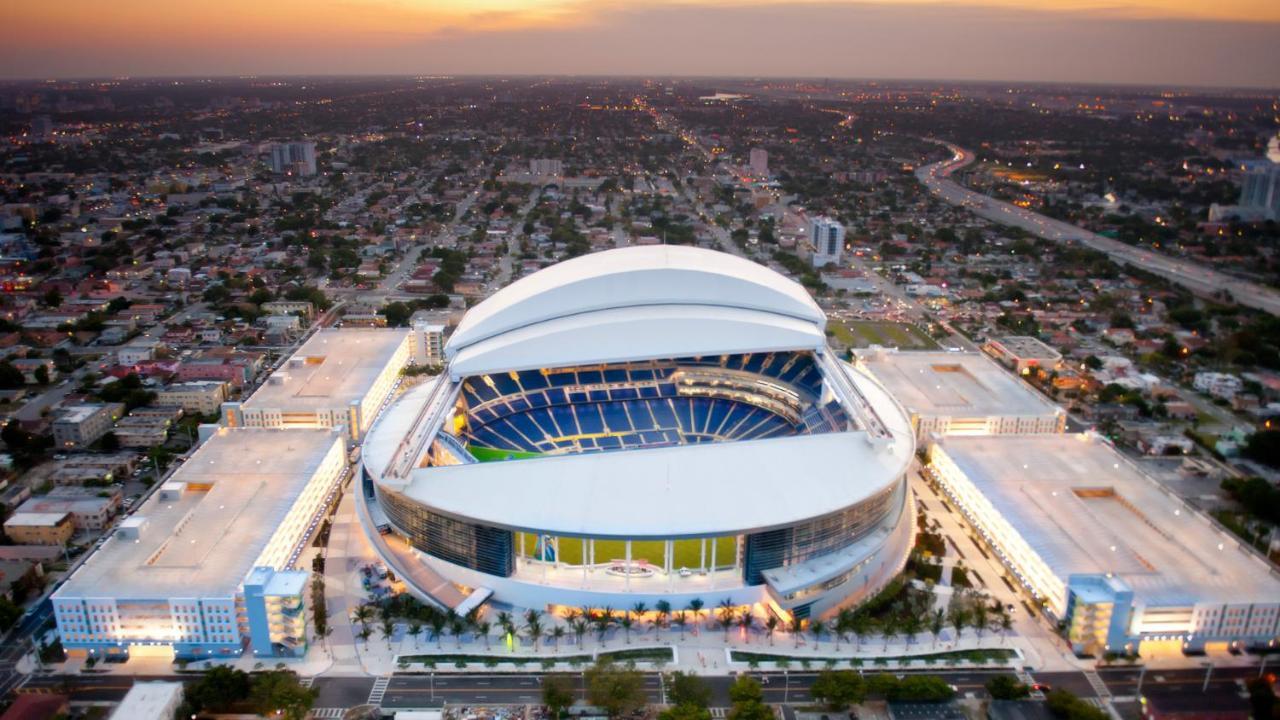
(484, 454)
(865, 333)
(686, 553)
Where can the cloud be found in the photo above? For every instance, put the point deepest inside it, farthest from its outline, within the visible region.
(942, 39)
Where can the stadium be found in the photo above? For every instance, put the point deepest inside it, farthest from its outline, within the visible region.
(639, 425)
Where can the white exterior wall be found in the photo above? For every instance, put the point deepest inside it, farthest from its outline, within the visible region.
(1013, 549)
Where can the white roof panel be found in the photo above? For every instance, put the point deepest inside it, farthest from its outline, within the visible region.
(635, 277)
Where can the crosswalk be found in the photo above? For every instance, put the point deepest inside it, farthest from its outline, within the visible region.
(1025, 678)
(1096, 683)
(379, 690)
(329, 713)
(307, 682)
(718, 712)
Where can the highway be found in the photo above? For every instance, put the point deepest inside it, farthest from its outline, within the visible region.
(1199, 280)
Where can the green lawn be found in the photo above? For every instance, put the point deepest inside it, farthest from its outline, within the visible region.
(686, 553)
(484, 454)
(864, 333)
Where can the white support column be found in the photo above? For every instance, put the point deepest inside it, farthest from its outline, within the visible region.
(703, 566)
(711, 574)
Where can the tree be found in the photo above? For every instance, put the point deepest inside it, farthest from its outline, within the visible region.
(11, 378)
(396, 313)
(685, 712)
(688, 689)
(746, 689)
(726, 614)
(618, 691)
(52, 298)
(839, 688)
(109, 442)
(557, 694)
(217, 690)
(278, 692)
(754, 710)
(42, 374)
(1262, 698)
(1007, 687)
(9, 613)
(1067, 706)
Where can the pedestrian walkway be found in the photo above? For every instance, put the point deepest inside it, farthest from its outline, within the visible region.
(1096, 683)
(379, 690)
(328, 713)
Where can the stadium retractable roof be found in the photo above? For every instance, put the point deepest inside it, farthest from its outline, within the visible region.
(635, 303)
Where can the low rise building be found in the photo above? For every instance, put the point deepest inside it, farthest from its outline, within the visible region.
(1219, 385)
(338, 377)
(81, 425)
(1024, 354)
(206, 566)
(202, 397)
(957, 393)
(1118, 558)
(40, 528)
(90, 508)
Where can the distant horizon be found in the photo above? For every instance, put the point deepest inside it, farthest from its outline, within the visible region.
(645, 76)
(1182, 43)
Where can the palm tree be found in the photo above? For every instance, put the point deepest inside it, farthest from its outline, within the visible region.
(483, 627)
(726, 616)
(639, 609)
(889, 628)
(797, 628)
(770, 626)
(1006, 624)
(911, 625)
(457, 626)
(388, 627)
(816, 628)
(695, 607)
(507, 623)
(680, 619)
(981, 616)
(937, 621)
(556, 634)
(533, 625)
(364, 634)
(663, 608)
(745, 621)
(604, 620)
(861, 626)
(626, 622)
(841, 624)
(415, 629)
(579, 627)
(364, 614)
(958, 618)
(437, 623)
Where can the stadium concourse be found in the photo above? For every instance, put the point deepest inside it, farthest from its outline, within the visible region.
(643, 424)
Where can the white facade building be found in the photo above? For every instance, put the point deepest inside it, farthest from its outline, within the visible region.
(954, 393)
(172, 578)
(759, 162)
(827, 238)
(1220, 385)
(338, 377)
(293, 158)
(1111, 552)
(546, 166)
(428, 343)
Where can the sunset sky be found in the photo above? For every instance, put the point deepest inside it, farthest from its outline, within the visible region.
(1193, 42)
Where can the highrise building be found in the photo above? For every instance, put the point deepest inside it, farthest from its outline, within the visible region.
(41, 128)
(759, 162)
(1259, 189)
(293, 158)
(827, 237)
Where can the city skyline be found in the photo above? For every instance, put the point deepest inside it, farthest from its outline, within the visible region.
(1145, 42)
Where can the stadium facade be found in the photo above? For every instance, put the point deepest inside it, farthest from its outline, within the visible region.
(643, 424)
